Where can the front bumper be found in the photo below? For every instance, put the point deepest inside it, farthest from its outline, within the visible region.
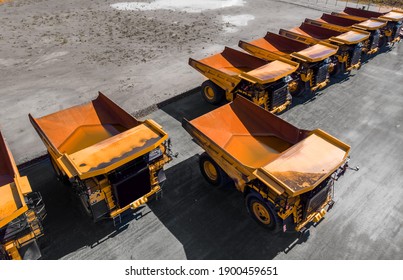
(281, 108)
(355, 66)
(317, 215)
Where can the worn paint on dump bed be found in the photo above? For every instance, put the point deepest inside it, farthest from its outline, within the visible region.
(265, 146)
(88, 135)
(96, 137)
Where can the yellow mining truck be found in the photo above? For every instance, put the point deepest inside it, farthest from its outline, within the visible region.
(286, 174)
(373, 26)
(314, 61)
(231, 73)
(113, 161)
(21, 211)
(393, 20)
(350, 43)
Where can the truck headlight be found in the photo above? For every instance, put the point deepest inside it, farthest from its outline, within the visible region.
(287, 79)
(154, 154)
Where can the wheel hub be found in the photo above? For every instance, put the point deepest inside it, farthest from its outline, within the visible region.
(209, 93)
(210, 170)
(261, 213)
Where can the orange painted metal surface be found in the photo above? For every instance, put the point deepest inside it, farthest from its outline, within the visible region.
(318, 51)
(321, 33)
(371, 24)
(305, 164)
(362, 23)
(96, 137)
(393, 15)
(240, 136)
(352, 36)
(239, 64)
(11, 196)
(261, 142)
(286, 47)
(269, 72)
(115, 148)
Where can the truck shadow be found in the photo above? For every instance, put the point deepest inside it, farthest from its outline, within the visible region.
(67, 228)
(186, 108)
(213, 223)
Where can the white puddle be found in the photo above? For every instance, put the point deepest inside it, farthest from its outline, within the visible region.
(231, 22)
(190, 6)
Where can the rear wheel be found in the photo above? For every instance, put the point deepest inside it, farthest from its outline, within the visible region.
(212, 93)
(262, 212)
(85, 204)
(212, 172)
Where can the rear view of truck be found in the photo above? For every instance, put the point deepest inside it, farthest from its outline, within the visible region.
(21, 211)
(113, 161)
(314, 61)
(232, 73)
(286, 174)
(350, 43)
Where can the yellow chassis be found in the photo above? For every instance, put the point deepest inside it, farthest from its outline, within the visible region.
(355, 66)
(281, 108)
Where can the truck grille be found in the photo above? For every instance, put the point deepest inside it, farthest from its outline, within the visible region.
(375, 39)
(317, 200)
(356, 55)
(130, 182)
(278, 95)
(321, 75)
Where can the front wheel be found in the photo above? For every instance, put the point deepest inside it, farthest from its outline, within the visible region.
(299, 88)
(212, 172)
(262, 212)
(212, 93)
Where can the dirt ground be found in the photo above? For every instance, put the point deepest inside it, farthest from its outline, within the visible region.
(58, 53)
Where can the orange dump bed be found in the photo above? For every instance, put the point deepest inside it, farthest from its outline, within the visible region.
(289, 48)
(12, 187)
(307, 163)
(361, 12)
(268, 146)
(393, 16)
(369, 24)
(239, 64)
(322, 33)
(96, 137)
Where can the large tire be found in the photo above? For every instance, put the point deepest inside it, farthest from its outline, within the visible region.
(383, 43)
(262, 212)
(339, 69)
(212, 172)
(212, 93)
(85, 207)
(302, 89)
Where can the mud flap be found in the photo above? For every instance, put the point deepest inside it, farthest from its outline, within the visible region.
(288, 224)
(99, 210)
(30, 251)
(161, 176)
